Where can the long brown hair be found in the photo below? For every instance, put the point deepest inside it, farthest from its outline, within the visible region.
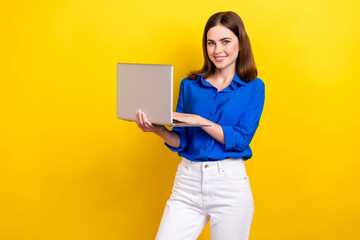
(245, 63)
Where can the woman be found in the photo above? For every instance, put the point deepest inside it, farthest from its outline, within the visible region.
(211, 182)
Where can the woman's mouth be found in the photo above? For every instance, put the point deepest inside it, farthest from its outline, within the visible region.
(220, 58)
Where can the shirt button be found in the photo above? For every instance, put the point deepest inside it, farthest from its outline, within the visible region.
(206, 166)
(211, 114)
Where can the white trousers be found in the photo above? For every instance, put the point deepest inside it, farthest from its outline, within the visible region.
(218, 191)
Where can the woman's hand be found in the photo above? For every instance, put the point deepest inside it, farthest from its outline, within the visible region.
(188, 118)
(210, 127)
(145, 124)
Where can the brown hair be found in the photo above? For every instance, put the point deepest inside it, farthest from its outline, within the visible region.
(245, 63)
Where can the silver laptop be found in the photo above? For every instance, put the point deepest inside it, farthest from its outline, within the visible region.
(148, 87)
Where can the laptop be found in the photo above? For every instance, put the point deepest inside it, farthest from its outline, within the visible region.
(148, 87)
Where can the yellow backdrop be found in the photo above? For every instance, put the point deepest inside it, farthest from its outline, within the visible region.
(69, 169)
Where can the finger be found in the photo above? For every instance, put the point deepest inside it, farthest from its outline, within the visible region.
(140, 126)
(145, 119)
(141, 118)
(138, 120)
(175, 115)
(141, 122)
(137, 117)
(148, 125)
(178, 116)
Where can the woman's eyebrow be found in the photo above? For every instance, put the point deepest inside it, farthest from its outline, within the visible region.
(220, 39)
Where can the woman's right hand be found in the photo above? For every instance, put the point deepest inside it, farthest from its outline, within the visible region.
(145, 124)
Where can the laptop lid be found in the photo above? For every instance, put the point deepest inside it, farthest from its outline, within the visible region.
(147, 87)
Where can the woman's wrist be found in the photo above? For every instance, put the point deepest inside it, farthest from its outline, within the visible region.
(168, 136)
(161, 131)
(203, 121)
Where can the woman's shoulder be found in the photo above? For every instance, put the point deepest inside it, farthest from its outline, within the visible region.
(187, 81)
(255, 86)
(257, 82)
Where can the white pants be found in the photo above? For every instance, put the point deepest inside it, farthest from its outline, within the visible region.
(218, 191)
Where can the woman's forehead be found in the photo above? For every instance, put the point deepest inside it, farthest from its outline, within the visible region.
(219, 32)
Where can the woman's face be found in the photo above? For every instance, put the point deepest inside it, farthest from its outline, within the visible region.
(222, 47)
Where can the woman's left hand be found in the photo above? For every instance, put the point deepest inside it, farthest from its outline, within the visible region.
(211, 128)
(188, 118)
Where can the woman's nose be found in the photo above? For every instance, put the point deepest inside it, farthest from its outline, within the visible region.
(218, 48)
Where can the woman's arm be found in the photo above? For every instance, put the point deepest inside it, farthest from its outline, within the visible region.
(171, 138)
(214, 130)
(233, 137)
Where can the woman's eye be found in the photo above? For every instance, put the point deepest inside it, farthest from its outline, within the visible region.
(210, 43)
(226, 42)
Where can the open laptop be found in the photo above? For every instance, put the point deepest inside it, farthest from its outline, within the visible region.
(148, 87)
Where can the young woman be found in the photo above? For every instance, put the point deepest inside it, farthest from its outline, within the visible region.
(211, 182)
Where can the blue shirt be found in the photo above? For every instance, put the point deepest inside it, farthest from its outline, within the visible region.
(237, 109)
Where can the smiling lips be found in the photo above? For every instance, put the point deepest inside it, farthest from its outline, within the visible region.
(219, 58)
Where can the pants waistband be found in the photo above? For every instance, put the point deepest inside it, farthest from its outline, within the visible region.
(219, 164)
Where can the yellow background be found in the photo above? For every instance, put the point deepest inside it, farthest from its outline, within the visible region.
(69, 169)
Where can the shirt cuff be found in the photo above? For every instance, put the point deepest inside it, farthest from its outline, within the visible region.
(183, 141)
(229, 137)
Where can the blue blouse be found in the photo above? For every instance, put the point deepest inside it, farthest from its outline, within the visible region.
(237, 108)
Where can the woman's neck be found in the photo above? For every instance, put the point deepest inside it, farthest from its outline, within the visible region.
(223, 75)
(221, 79)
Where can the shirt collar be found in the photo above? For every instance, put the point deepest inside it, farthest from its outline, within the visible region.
(236, 80)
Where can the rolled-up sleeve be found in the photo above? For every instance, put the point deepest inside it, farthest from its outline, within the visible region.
(183, 140)
(237, 138)
(180, 131)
